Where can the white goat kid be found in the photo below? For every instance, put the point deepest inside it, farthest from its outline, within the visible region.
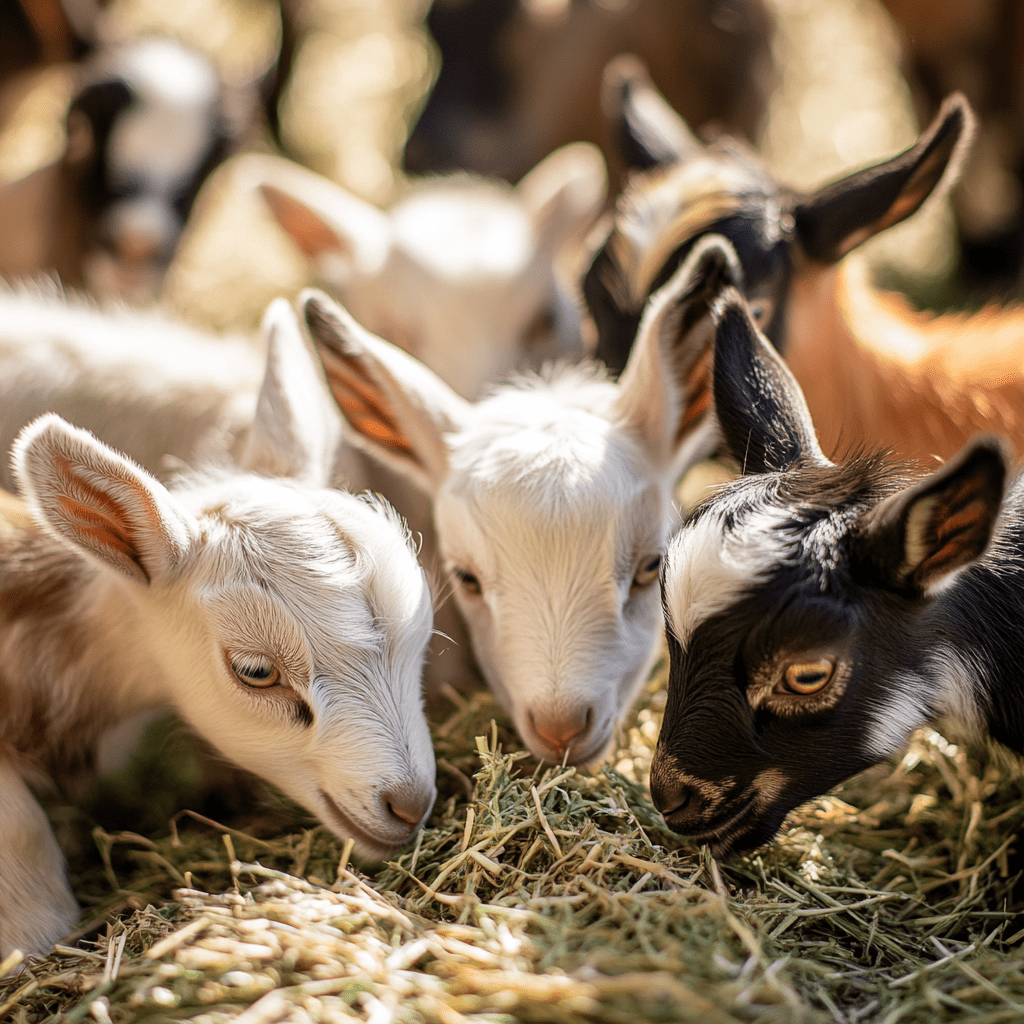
(286, 622)
(461, 271)
(552, 502)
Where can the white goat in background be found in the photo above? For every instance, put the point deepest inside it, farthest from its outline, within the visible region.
(157, 390)
(461, 271)
(285, 622)
(552, 501)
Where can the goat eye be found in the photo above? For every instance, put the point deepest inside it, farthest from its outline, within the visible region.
(806, 677)
(467, 579)
(760, 310)
(255, 671)
(648, 572)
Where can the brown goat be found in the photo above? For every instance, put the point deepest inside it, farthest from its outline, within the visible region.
(875, 372)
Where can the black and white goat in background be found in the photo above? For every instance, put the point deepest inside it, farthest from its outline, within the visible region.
(817, 613)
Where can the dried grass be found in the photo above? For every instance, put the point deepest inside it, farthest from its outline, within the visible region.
(557, 895)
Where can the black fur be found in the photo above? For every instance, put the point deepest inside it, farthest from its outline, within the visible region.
(913, 592)
(773, 229)
(101, 101)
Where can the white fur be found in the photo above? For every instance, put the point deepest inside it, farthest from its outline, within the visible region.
(553, 493)
(160, 589)
(893, 722)
(707, 568)
(461, 271)
(553, 508)
(954, 674)
(146, 385)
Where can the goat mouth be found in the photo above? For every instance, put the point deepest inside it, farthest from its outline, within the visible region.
(373, 844)
(722, 832)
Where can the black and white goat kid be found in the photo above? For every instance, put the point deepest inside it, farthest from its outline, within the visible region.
(817, 613)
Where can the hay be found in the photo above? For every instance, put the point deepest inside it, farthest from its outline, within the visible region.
(557, 895)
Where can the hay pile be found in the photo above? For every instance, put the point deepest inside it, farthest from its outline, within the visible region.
(556, 895)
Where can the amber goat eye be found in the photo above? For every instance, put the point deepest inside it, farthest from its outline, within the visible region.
(805, 677)
(255, 671)
(467, 579)
(648, 572)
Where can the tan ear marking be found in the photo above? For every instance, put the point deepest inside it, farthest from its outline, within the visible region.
(697, 394)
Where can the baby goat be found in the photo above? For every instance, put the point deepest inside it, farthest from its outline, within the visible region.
(285, 622)
(150, 119)
(874, 371)
(817, 613)
(461, 272)
(552, 501)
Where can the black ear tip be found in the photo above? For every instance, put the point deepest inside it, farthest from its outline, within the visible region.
(622, 75)
(326, 324)
(955, 119)
(994, 451)
(956, 105)
(314, 303)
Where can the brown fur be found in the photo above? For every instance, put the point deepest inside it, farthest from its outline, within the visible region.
(46, 734)
(877, 373)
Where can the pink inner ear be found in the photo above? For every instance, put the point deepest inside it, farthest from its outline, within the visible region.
(363, 405)
(99, 519)
(697, 396)
(302, 226)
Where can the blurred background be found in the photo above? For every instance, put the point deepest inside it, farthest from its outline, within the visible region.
(820, 86)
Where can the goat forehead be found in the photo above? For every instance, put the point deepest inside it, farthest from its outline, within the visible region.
(573, 465)
(740, 540)
(273, 530)
(474, 233)
(706, 571)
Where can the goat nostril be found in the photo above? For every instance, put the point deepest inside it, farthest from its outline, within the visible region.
(683, 799)
(408, 807)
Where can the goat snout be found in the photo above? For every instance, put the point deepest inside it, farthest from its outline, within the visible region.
(408, 805)
(563, 731)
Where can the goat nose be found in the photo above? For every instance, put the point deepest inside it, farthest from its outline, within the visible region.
(408, 804)
(562, 729)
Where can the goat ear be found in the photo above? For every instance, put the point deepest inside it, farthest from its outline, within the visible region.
(297, 428)
(645, 128)
(394, 406)
(917, 539)
(665, 388)
(565, 192)
(101, 502)
(847, 212)
(343, 234)
(760, 407)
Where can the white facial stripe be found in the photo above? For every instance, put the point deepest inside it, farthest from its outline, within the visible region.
(947, 684)
(957, 673)
(904, 710)
(708, 568)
